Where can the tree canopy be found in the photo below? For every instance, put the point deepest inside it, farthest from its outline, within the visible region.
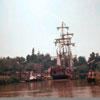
(39, 60)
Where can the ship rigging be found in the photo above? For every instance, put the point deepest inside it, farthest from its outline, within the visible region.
(64, 47)
(64, 54)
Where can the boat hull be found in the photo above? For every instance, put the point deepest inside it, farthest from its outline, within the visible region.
(34, 80)
(91, 80)
(59, 73)
(60, 77)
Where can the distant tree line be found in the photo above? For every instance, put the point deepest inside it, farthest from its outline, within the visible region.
(79, 61)
(93, 61)
(33, 61)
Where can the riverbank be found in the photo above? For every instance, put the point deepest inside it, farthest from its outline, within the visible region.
(8, 80)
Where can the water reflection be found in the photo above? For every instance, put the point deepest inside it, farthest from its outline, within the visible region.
(51, 88)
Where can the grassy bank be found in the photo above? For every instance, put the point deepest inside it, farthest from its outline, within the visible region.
(82, 71)
(7, 80)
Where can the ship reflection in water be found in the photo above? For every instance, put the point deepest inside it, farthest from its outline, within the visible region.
(51, 88)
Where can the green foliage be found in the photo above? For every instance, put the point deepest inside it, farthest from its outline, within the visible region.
(7, 80)
(29, 63)
(41, 62)
(75, 60)
(83, 68)
(33, 51)
(94, 61)
(82, 71)
(82, 60)
(29, 66)
(79, 61)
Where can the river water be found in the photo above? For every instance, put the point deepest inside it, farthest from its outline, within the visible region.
(51, 88)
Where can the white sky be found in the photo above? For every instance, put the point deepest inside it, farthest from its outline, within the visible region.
(27, 24)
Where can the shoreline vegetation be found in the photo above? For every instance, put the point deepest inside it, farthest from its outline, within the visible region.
(8, 80)
(13, 69)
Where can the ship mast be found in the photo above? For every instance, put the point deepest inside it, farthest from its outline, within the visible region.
(64, 46)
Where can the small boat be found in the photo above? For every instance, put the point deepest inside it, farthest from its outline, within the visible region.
(34, 77)
(22, 81)
(91, 76)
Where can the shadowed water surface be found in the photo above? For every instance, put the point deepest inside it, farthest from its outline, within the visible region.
(51, 88)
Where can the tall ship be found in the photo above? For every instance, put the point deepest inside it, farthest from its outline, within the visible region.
(63, 67)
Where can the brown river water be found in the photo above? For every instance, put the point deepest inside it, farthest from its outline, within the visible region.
(51, 88)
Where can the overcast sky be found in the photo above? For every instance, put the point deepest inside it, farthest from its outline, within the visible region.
(27, 24)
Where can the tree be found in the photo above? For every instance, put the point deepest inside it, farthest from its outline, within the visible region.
(33, 51)
(29, 66)
(28, 58)
(20, 60)
(81, 60)
(75, 60)
(92, 61)
(40, 58)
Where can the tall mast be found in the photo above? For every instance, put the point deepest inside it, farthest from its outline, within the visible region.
(62, 28)
(64, 45)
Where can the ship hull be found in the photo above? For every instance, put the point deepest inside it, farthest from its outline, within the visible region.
(60, 77)
(59, 73)
(33, 80)
(91, 80)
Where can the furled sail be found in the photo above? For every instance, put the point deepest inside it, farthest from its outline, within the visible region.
(71, 60)
(58, 60)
